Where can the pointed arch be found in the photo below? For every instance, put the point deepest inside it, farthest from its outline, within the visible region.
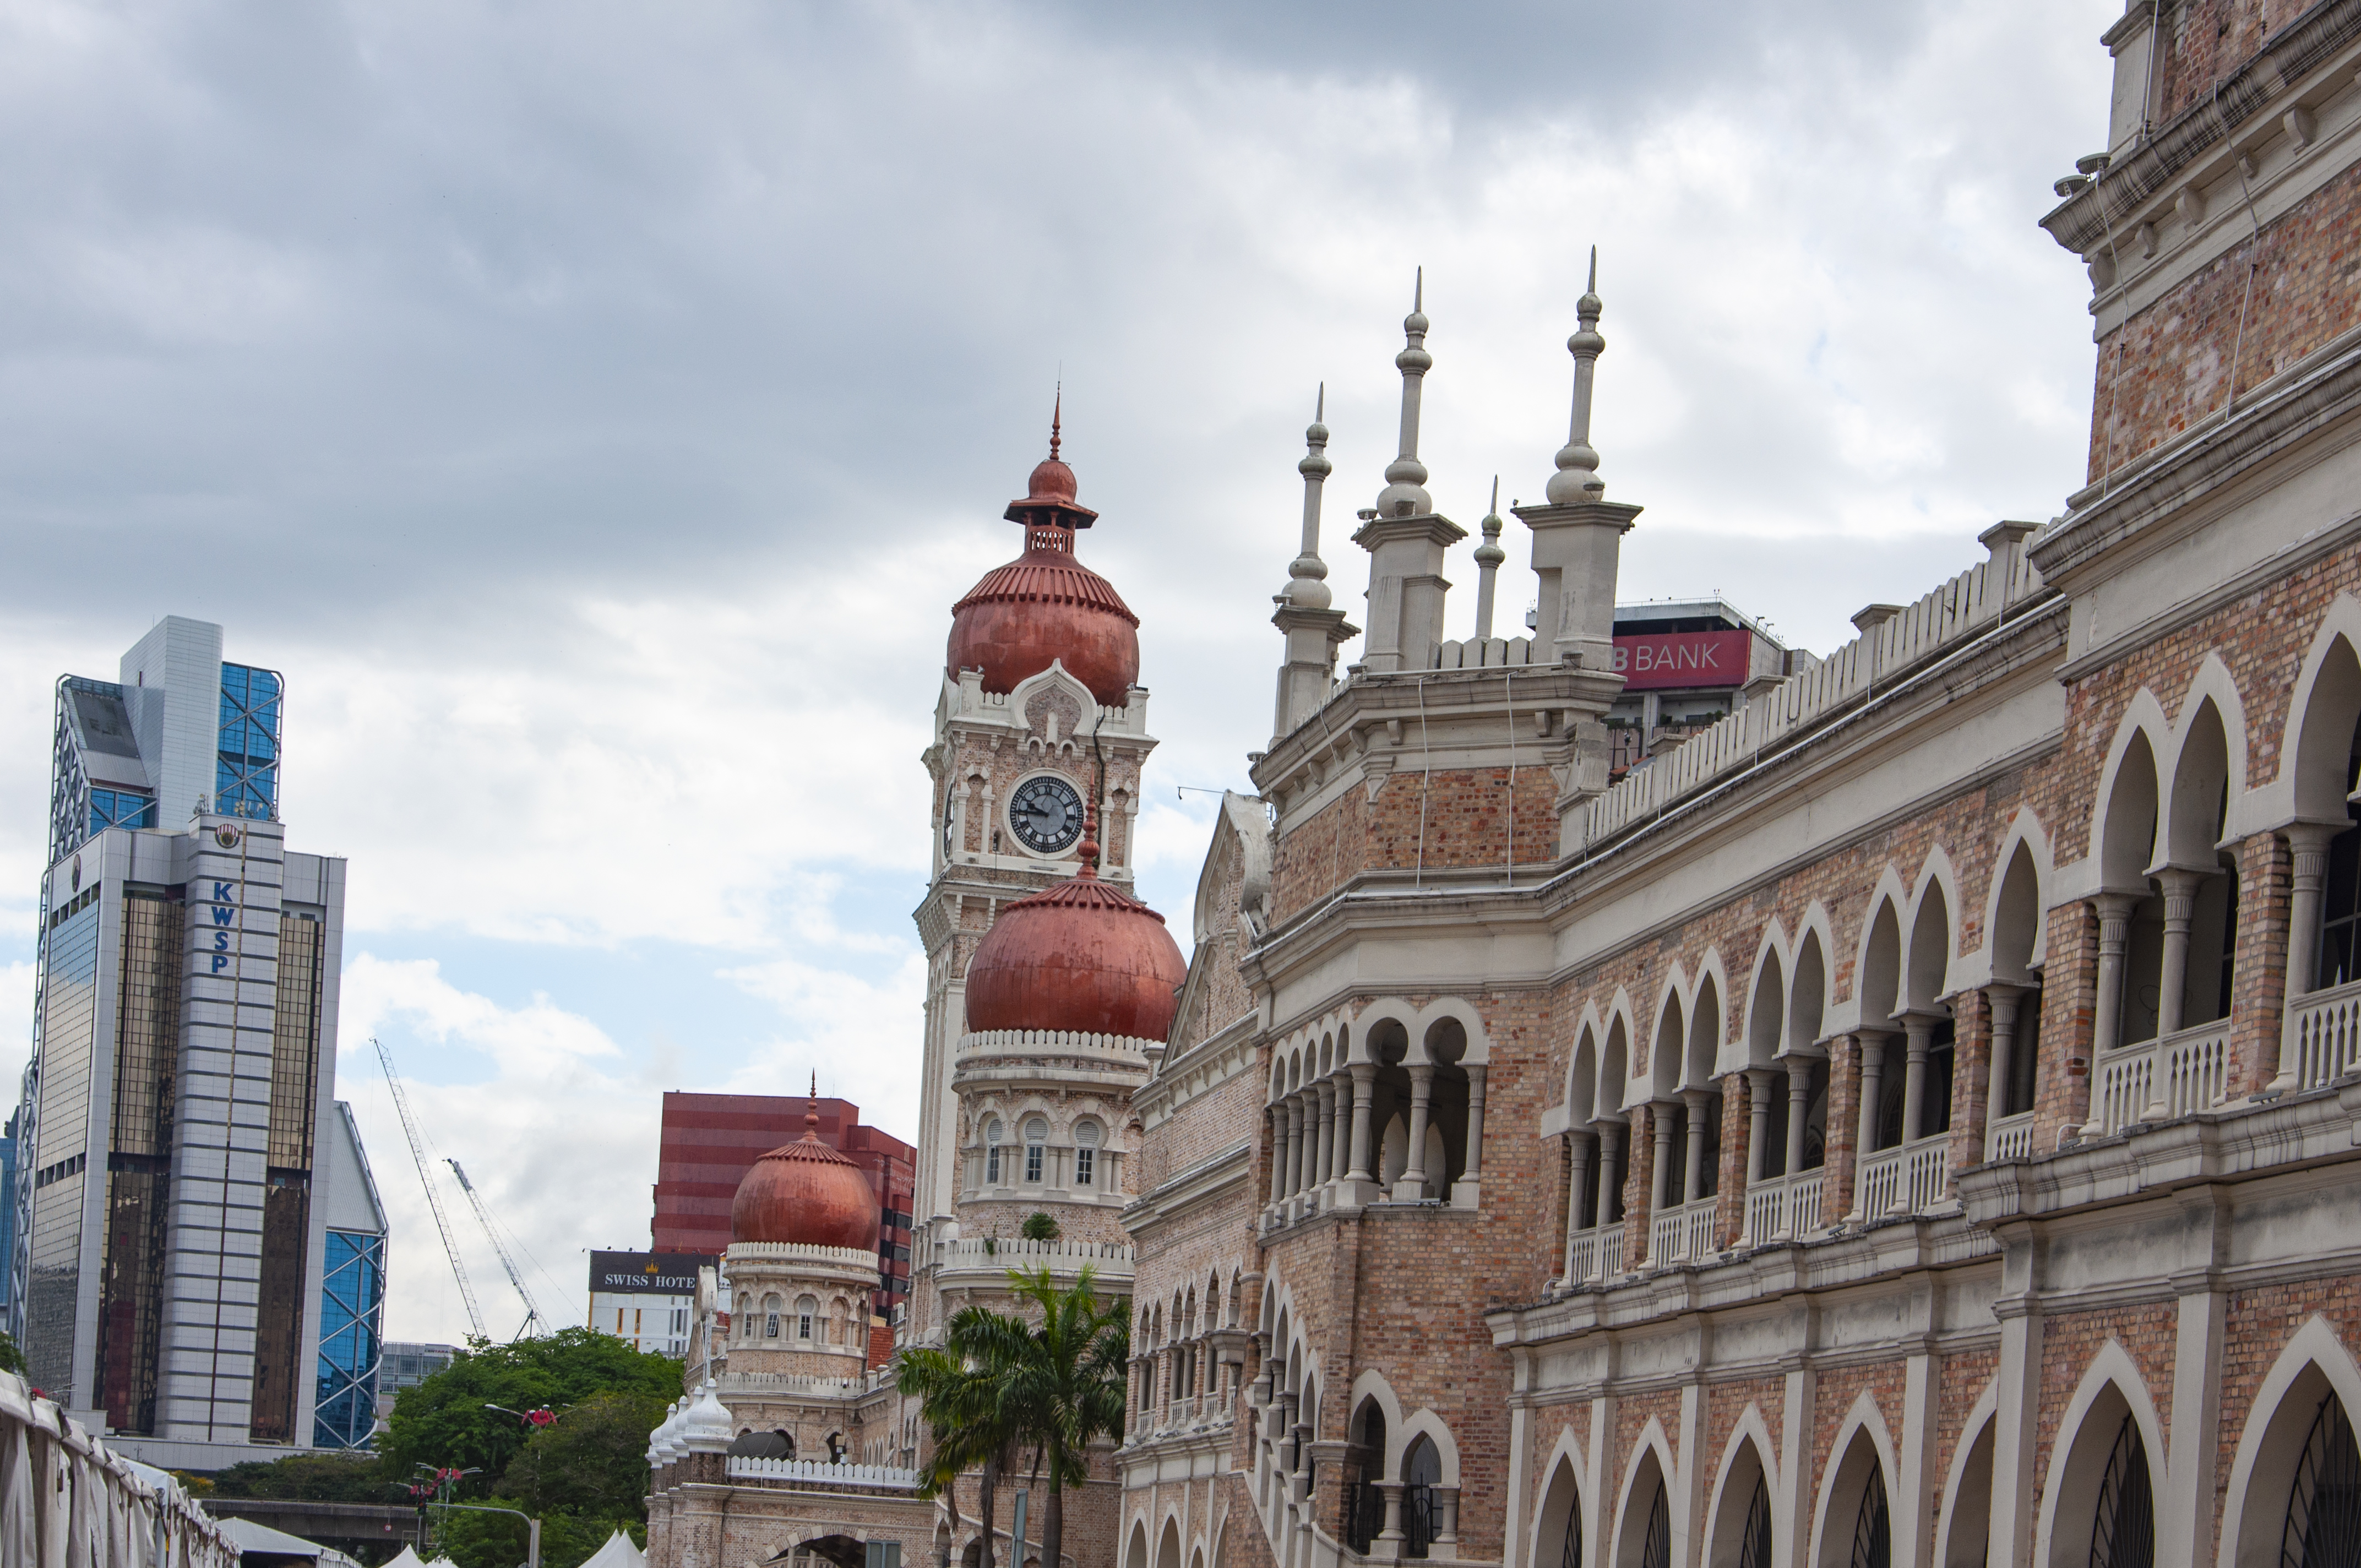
(2111, 1389)
(1372, 1387)
(1811, 990)
(2323, 709)
(1964, 1520)
(1564, 1501)
(1582, 1073)
(1423, 1422)
(1863, 1447)
(1708, 1023)
(2123, 823)
(1615, 1062)
(1766, 1009)
(1932, 943)
(2207, 769)
(2313, 1365)
(1877, 970)
(1746, 1458)
(2016, 907)
(1650, 1468)
(1667, 1041)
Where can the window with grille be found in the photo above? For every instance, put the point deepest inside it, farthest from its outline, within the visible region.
(992, 1152)
(1086, 1153)
(2123, 1531)
(806, 1310)
(1873, 1531)
(1036, 1136)
(2324, 1511)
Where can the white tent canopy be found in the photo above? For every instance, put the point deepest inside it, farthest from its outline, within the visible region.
(406, 1558)
(618, 1552)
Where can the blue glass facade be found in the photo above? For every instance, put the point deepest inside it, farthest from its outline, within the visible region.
(247, 779)
(352, 1300)
(120, 808)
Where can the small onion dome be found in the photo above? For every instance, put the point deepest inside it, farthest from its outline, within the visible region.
(1084, 956)
(805, 1194)
(1045, 605)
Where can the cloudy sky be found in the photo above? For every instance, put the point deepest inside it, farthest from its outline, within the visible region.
(594, 410)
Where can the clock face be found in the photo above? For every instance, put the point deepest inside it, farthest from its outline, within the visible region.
(1045, 813)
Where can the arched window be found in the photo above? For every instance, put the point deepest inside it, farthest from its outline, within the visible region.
(2324, 1511)
(806, 1309)
(2122, 1534)
(746, 1316)
(1036, 1136)
(992, 1152)
(1754, 1545)
(1873, 1528)
(1086, 1153)
(1421, 1473)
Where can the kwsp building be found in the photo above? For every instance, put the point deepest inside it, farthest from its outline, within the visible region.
(1912, 1122)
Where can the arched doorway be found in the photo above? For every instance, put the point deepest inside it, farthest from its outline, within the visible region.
(2321, 1527)
(1645, 1539)
(1742, 1533)
(2105, 1509)
(1856, 1527)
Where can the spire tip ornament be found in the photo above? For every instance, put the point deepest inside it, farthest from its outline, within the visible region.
(1576, 479)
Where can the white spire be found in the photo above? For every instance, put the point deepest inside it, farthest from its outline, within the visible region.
(1305, 587)
(1405, 492)
(1489, 556)
(1576, 479)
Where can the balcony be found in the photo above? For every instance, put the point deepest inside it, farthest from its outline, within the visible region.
(1682, 1234)
(2010, 1137)
(1597, 1256)
(1908, 1179)
(2323, 1039)
(2185, 1072)
(1785, 1208)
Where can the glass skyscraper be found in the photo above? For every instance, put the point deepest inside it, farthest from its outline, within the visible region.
(352, 1294)
(177, 1162)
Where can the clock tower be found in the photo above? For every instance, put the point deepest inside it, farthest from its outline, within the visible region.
(1040, 721)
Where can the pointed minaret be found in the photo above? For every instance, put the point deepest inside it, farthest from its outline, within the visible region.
(1576, 479)
(1489, 556)
(1307, 587)
(1312, 629)
(1404, 533)
(1577, 536)
(1577, 546)
(1405, 492)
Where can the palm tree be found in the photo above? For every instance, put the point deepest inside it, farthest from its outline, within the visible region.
(960, 1388)
(1061, 1381)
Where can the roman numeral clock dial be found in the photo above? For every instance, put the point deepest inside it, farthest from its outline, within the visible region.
(1045, 813)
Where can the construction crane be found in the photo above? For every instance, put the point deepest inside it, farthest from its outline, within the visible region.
(426, 1180)
(532, 1308)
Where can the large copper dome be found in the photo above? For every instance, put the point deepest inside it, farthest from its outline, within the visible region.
(1045, 605)
(808, 1194)
(1081, 956)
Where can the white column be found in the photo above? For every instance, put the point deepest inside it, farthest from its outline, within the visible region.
(2172, 978)
(2115, 912)
(1577, 1178)
(1799, 1102)
(1466, 1192)
(1413, 1185)
(1918, 1035)
(1364, 1086)
(1758, 1122)
(1693, 1175)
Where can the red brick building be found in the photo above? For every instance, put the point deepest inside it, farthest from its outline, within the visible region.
(708, 1142)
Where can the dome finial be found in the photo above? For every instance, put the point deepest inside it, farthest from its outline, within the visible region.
(1058, 404)
(1089, 847)
(1305, 589)
(1576, 479)
(811, 1111)
(1405, 492)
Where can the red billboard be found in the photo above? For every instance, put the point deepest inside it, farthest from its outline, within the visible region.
(1654, 660)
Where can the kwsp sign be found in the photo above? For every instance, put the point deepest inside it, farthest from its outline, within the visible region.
(225, 910)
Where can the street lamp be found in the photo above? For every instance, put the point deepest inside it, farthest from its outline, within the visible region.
(532, 1525)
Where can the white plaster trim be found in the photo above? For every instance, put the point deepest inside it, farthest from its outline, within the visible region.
(2111, 1366)
(2313, 1345)
(1863, 1418)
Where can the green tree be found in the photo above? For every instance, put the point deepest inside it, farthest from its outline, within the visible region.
(592, 1461)
(12, 1359)
(448, 1419)
(311, 1477)
(1040, 1227)
(1062, 1380)
(959, 1387)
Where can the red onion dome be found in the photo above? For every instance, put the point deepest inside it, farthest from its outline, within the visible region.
(807, 1194)
(1082, 956)
(1046, 606)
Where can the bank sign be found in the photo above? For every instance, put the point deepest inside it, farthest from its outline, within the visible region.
(1653, 661)
(646, 1272)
